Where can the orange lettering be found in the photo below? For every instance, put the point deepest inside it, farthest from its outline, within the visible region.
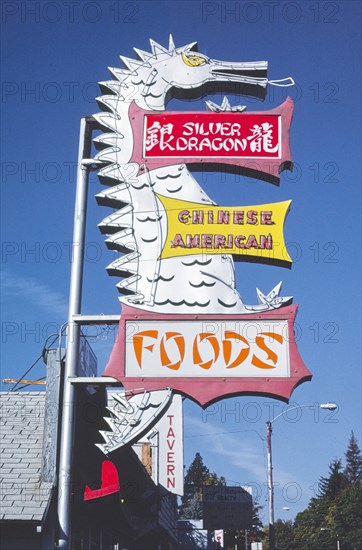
(180, 343)
(208, 337)
(227, 349)
(138, 343)
(271, 355)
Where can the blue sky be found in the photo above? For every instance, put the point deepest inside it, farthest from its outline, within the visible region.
(53, 54)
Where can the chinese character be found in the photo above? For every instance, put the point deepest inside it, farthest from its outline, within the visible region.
(261, 138)
(156, 134)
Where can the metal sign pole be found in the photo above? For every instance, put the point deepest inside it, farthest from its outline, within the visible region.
(73, 331)
(270, 487)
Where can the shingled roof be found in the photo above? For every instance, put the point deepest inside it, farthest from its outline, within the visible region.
(23, 496)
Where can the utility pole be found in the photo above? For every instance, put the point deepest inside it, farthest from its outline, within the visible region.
(329, 406)
(270, 486)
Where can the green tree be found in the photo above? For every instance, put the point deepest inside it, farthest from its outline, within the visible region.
(353, 469)
(308, 524)
(254, 534)
(197, 475)
(332, 485)
(347, 517)
(335, 514)
(284, 534)
(257, 525)
(191, 501)
(197, 470)
(192, 508)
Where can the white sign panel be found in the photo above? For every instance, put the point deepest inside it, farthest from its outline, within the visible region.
(209, 349)
(171, 458)
(219, 538)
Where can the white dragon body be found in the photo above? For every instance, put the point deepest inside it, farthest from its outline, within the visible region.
(199, 283)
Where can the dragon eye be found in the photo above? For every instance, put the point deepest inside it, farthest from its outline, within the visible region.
(193, 60)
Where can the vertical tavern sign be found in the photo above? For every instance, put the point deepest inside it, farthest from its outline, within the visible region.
(170, 448)
(184, 324)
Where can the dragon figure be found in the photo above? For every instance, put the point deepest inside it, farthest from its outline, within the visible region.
(199, 283)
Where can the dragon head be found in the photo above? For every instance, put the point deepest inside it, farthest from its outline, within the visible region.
(192, 74)
(185, 73)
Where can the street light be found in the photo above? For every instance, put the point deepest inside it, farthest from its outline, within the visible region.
(327, 529)
(328, 406)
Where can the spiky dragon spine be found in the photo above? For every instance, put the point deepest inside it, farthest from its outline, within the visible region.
(196, 284)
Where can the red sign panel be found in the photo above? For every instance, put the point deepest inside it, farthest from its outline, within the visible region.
(109, 483)
(210, 135)
(255, 143)
(257, 355)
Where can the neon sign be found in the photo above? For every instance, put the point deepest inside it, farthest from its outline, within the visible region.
(177, 247)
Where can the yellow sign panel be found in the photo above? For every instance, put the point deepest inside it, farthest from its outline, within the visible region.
(254, 231)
